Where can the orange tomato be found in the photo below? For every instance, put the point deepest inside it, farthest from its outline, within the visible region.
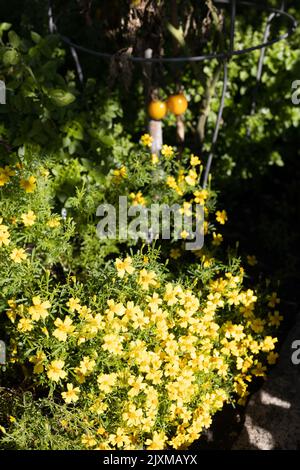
(177, 104)
(157, 109)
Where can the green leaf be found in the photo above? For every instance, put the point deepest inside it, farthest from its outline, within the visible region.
(4, 26)
(35, 37)
(61, 97)
(10, 57)
(14, 39)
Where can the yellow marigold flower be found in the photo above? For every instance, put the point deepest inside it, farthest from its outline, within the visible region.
(107, 381)
(272, 358)
(86, 366)
(64, 328)
(99, 407)
(167, 151)
(137, 199)
(29, 185)
(221, 217)
(146, 140)
(88, 440)
(2, 429)
(74, 304)
(4, 234)
(184, 234)
(39, 309)
(186, 209)
(55, 370)
(175, 253)
(120, 173)
(275, 318)
(71, 395)
(191, 178)
(18, 255)
(38, 361)
(53, 222)
(28, 219)
(124, 266)
(113, 344)
(137, 384)
(25, 324)
(273, 300)
(157, 442)
(268, 344)
(217, 239)
(146, 279)
(194, 161)
(154, 159)
(119, 439)
(5, 174)
(133, 416)
(171, 182)
(251, 260)
(201, 196)
(257, 325)
(114, 309)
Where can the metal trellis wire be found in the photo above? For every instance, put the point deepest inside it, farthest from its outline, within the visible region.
(223, 56)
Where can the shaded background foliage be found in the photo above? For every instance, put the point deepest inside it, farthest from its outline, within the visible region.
(256, 166)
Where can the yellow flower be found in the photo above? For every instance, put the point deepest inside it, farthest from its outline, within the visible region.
(106, 382)
(146, 140)
(275, 318)
(71, 395)
(55, 371)
(53, 222)
(38, 362)
(120, 173)
(4, 234)
(146, 279)
(18, 255)
(221, 217)
(251, 260)
(63, 328)
(137, 199)
(86, 366)
(268, 344)
(273, 300)
(119, 439)
(28, 185)
(191, 178)
(25, 324)
(88, 440)
(5, 174)
(186, 209)
(157, 442)
(113, 344)
(2, 429)
(175, 253)
(124, 266)
(133, 416)
(201, 196)
(217, 239)
(74, 304)
(39, 309)
(194, 161)
(167, 151)
(184, 234)
(154, 159)
(28, 219)
(272, 358)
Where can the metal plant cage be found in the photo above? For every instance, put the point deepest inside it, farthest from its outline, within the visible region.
(224, 57)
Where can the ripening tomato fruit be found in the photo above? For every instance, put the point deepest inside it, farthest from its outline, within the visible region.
(177, 104)
(157, 109)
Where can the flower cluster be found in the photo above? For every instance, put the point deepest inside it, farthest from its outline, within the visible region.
(148, 360)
